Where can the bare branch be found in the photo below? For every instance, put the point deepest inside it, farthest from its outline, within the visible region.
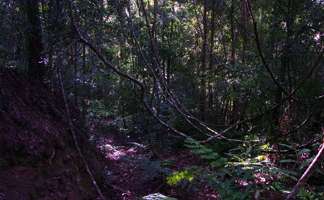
(308, 172)
(258, 44)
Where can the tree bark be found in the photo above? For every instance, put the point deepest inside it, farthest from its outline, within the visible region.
(34, 46)
(232, 34)
(202, 103)
(211, 56)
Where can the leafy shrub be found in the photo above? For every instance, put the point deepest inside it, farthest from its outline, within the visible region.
(205, 153)
(179, 176)
(309, 195)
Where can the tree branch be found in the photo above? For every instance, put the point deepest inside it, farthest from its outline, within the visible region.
(308, 172)
(258, 44)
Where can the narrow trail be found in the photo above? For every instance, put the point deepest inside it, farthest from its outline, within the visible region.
(128, 166)
(130, 170)
(133, 170)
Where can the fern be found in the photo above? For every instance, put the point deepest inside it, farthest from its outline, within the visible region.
(205, 153)
(309, 195)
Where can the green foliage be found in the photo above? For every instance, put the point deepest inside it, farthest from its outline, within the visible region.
(277, 186)
(171, 45)
(228, 191)
(205, 153)
(98, 109)
(226, 187)
(177, 177)
(304, 194)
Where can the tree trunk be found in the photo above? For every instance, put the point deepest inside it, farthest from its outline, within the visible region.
(34, 47)
(211, 56)
(244, 20)
(202, 103)
(232, 34)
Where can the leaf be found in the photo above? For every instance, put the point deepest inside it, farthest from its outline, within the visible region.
(287, 146)
(287, 161)
(177, 177)
(261, 157)
(289, 174)
(306, 163)
(304, 151)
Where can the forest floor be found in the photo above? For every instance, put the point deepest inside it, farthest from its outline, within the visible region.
(133, 170)
(38, 159)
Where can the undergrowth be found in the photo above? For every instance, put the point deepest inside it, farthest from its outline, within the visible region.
(247, 171)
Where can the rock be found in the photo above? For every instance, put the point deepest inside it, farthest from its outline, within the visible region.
(157, 196)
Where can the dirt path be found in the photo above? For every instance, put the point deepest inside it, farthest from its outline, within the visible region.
(130, 169)
(133, 171)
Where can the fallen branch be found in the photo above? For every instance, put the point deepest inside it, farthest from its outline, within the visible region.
(308, 172)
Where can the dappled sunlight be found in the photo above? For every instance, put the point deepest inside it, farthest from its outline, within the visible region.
(161, 100)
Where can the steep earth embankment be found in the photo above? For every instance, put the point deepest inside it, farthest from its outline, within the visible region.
(38, 159)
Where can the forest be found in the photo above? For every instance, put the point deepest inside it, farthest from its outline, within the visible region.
(161, 99)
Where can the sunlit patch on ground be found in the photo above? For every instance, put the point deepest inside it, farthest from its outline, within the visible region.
(115, 152)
